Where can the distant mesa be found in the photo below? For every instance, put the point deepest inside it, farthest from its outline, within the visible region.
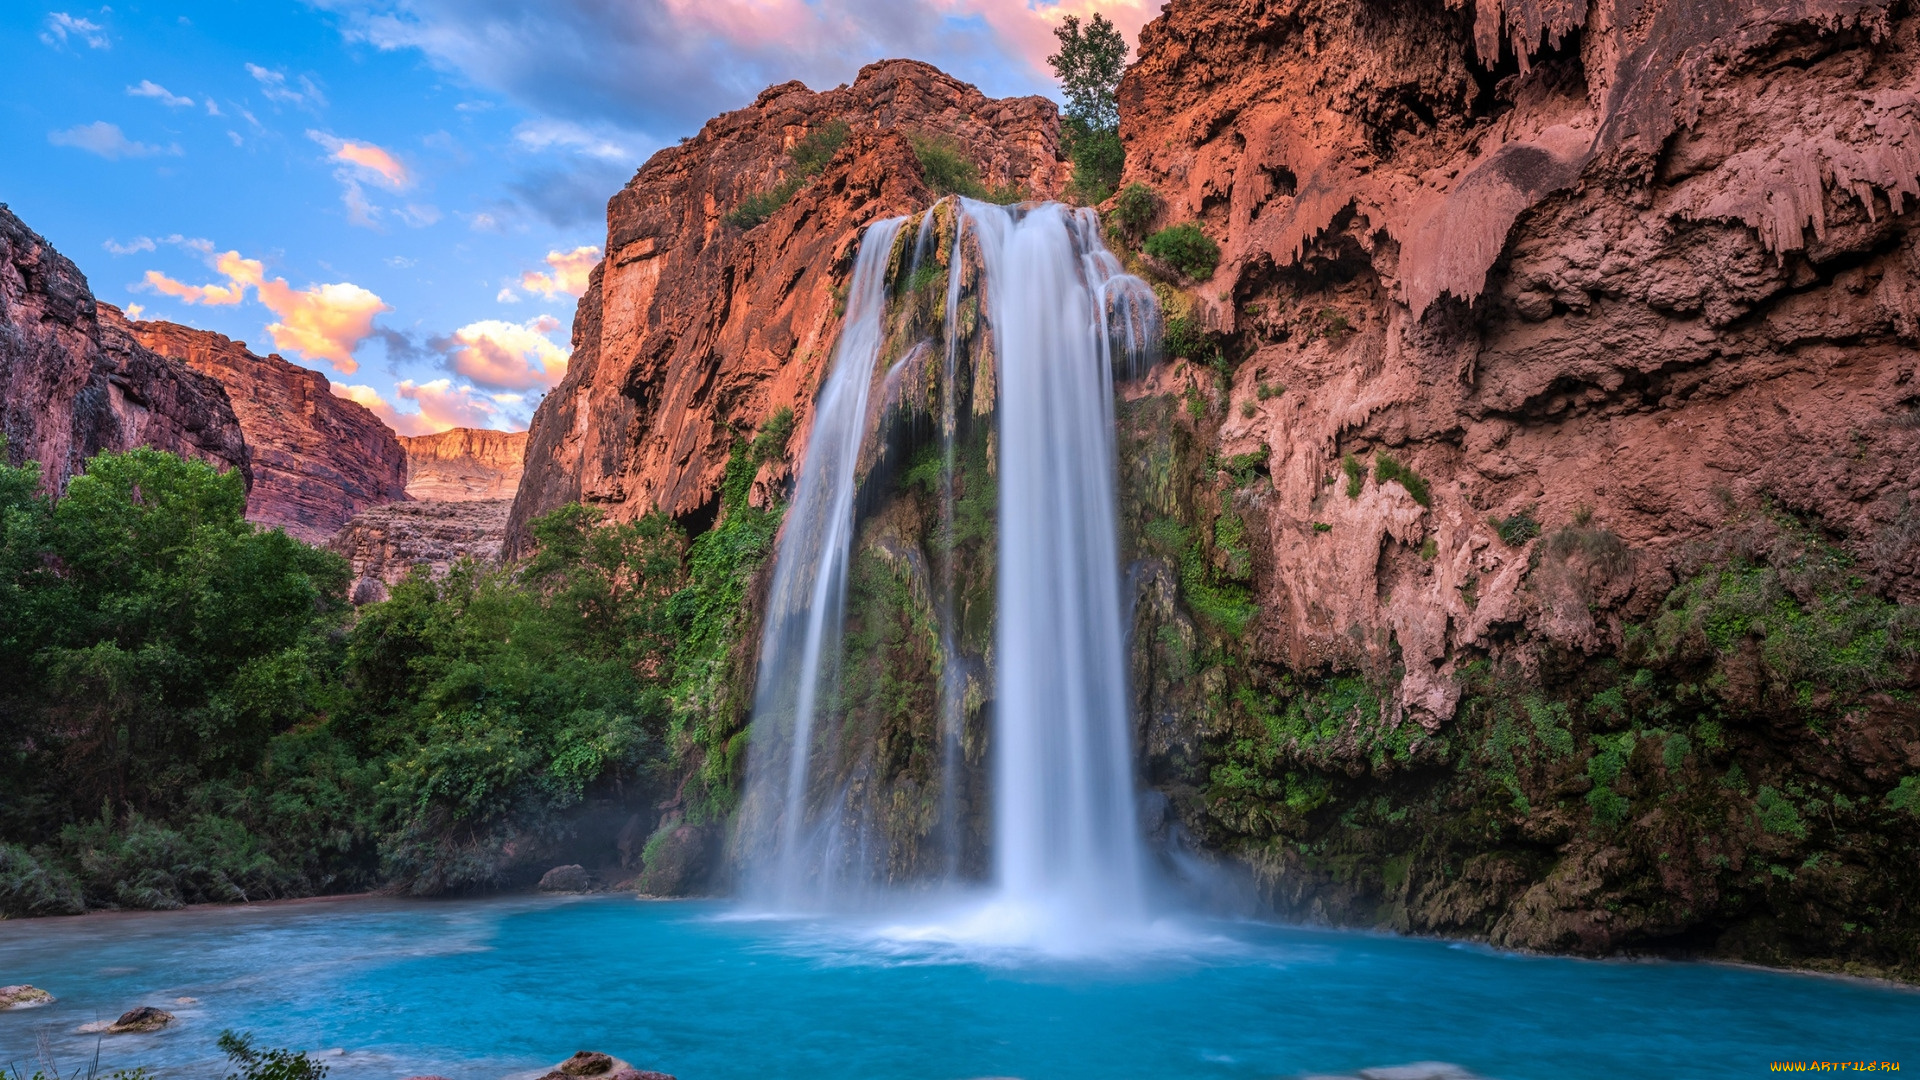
(464, 464)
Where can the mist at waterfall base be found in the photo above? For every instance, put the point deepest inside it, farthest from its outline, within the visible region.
(1068, 870)
(501, 989)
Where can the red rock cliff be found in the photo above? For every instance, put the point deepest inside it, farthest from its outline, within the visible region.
(464, 464)
(1641, 262)
(73, 382)
(317, 459)
(693, 331)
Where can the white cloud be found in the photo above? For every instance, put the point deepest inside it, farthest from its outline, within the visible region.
(108, 141)
(320, 322)
(61, 26)
(134, 311)
(275, 86)
(507, 356)
(570, 272)
(150, 89)
(419, 215)
(138, 243)
(506, 296)
(213, 109)
(540, 136)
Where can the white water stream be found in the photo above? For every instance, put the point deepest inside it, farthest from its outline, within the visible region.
(1066, 850)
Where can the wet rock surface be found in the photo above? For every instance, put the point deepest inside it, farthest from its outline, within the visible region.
(23, 997)
(573, 878)
(144, 1019)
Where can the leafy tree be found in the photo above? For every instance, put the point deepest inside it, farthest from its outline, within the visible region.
(1088, 65)
(1091, 59)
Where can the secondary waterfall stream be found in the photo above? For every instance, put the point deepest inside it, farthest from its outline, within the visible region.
(1059, 316)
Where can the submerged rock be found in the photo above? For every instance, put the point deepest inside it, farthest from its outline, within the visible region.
(23, 997)
(143, 1019)
(566, 879)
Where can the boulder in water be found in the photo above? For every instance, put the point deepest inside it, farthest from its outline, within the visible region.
(676, 863)
(639, 1074)
(566, 879)
(587, 1063)
(23, 997)
(143, 1019)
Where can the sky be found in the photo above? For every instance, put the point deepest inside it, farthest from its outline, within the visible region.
(408, 195)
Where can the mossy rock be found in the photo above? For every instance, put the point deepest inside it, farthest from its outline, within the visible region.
(23, 997)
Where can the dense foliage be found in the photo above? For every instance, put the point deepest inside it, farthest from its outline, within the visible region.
(1187, 249)
(196, 714)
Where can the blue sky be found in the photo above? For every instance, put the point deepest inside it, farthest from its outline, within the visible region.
(406, 194)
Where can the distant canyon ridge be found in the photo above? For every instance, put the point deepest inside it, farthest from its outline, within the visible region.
(78, 377)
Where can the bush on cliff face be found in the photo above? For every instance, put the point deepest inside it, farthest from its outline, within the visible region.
(809, 156)
(949, 171)
(1186, 249)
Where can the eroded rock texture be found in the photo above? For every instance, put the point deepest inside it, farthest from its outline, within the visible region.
(74, 381)
(317, 458)
(383, 544)
(1628, 288)
(464, 464)
(693, 332)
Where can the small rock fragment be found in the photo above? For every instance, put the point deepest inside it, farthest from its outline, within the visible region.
(587, 1062)
(143, 1019)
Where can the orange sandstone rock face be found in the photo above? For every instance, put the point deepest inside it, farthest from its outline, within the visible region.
(317, 459)
(693, 332)
(74, 382)
(383, 544)
(1653, 263)
(464, 464)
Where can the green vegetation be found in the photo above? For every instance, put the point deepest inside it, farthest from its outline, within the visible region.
(1356, 475)
(1387, 467)
(1133, 210)
(1183, 338)
(1089, 65)
(949, 171)
(1187, 249)
(809, 156)
(255, 1064)
(197, 715)
(1516, 530)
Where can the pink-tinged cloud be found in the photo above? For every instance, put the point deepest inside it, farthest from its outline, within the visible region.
(507, 356)
(444, 405)
(401, 423)
(373, 162)
(570, 272)
(1028, 29)
(319, 322)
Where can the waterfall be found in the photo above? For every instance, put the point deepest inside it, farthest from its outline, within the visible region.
(799, 647)
(1058, 319)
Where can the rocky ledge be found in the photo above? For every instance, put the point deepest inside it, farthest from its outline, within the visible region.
(384, 544)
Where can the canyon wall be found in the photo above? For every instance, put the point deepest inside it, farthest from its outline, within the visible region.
(1545, 533)
(317, 458)
(74, 381)
(694, 331)
(460, 483)
(464, 464)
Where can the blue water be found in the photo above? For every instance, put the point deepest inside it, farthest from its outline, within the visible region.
(481, 990)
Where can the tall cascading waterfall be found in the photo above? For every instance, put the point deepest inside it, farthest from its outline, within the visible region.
(799, 645)
(1061, 317)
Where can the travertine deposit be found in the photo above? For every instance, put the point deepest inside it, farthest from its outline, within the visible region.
(317, 458)
(694, 332)
(464, 464)
(74, 382)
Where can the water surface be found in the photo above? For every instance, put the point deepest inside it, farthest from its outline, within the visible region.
(481, 990)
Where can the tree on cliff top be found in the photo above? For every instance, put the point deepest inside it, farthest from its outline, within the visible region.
(1089, 64)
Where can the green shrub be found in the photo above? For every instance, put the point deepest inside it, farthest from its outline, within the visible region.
(1387, 467)
(30, 886)
(1133, 211)
(1906, 796)
(948, 170)
(1778, 815)
(267, 1064)
(1183, 338)
(1099, 159)
(1187, 249)
(1356, 475)
(809, 156)
(1516, 530)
